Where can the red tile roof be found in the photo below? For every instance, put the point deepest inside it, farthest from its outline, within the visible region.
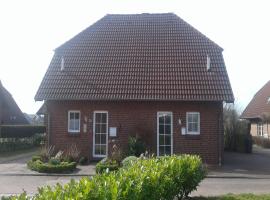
(137, 57)
(259, 105)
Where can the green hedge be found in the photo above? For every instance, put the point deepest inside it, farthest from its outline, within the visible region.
(154, 178)
(106, 165)
(20, 131)
(37, 165)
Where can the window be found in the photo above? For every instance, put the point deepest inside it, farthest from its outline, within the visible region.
(74, 121)
(260, 129)
(193, 123)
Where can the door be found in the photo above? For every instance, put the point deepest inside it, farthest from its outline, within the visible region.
(164, 133)
(100, 134)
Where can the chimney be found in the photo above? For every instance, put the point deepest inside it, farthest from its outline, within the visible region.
(62, 63)
(208, 64)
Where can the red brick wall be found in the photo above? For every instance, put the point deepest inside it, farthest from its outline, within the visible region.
(131, 117)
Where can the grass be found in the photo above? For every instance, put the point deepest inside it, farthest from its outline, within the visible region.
(236, 197)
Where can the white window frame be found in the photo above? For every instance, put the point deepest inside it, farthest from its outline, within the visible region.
(74, 111)
(199, 124)
(94, 142)
(158, 114)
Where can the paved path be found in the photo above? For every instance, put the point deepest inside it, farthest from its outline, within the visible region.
(241, 173)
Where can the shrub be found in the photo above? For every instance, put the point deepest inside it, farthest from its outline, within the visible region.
(54, 161)
(261, 141)
(72, 153)
(129, 160)
(40, 166)
(83, 160)
(35, 158)
(135, 146)
(46, 153)
(154, 178)
(106, 164)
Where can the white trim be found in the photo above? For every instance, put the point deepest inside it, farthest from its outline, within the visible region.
(74, 111)
(158, 114)
(107, 125)
(199, 124)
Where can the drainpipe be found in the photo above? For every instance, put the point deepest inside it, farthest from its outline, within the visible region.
(220, 132)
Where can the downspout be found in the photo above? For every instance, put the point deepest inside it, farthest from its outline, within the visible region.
(220, 132)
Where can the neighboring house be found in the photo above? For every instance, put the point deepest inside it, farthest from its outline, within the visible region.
(148, 74)
(34, 119)
(10, 113)
(258, 112)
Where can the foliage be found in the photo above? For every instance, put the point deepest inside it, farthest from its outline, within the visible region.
(129, 161)
(20, 131)
(261, 141)
(135, 146)
(106, 165)
(46, 153)
(116, 154)
(72, 153)
(154, 178)
(236, 135)
(36, 157)
(54, 166)
(83, 160)
(14, 144)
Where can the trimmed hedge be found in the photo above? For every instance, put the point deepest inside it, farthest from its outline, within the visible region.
(129, 160)
(39, 166)
(20, 131)
(155, 178)
(106, 165)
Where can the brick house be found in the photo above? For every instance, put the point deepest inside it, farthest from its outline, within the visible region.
(10, 113)
(148, 74)
(258, 112)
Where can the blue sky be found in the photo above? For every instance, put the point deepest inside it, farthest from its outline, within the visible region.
(32, 29)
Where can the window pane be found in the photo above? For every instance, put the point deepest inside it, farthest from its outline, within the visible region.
(71, 115)
(102, 149)
(168, 129)
(194, 127)
(98, 117)
(161, 150)
(97, 139)
(161, 139)
(168, 119)
(76, 125)
(189, 117)
(103, 128)
(103, 118)
(161, 119)
(168, 150)
(76, 115)
(97, 149)
(97, 128)
(189, 127)
(195, 118)
(161, 129)
(103, 138)
(167, 140)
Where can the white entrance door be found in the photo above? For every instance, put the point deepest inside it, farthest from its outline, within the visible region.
(100, 134)
(164, 133)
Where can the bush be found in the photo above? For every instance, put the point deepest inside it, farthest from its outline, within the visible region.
(154, 178)
(20, 131)
(106, 165)
(60, 167)
(35, 158)
(72, 153)
(261, 141)
(83, 161)
(135, 146)
(129, 160)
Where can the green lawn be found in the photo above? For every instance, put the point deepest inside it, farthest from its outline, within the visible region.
(236, 197)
